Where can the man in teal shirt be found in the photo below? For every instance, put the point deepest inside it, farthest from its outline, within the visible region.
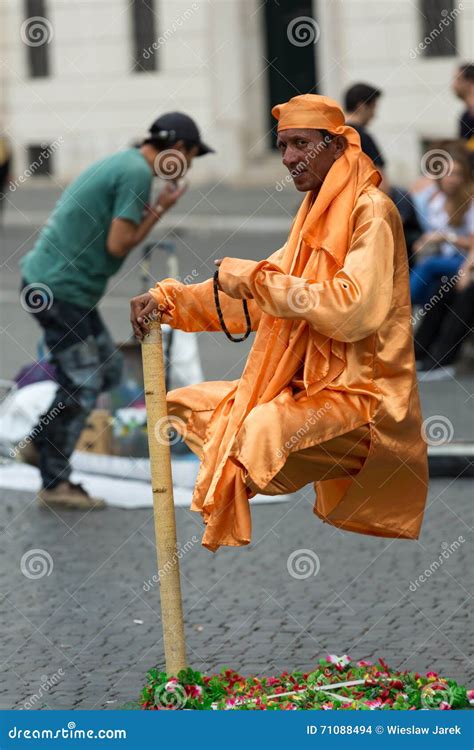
(97, 221)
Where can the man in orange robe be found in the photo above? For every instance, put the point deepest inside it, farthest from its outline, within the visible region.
(329, 393)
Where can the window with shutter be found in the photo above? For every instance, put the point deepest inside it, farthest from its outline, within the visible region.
(145, 50)
(40, 159)
(438, 27)
(36, 33)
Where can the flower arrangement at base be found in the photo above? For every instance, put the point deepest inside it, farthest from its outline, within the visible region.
(337, 683)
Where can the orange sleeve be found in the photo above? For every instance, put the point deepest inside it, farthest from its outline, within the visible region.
(348, 307)
(191, 307)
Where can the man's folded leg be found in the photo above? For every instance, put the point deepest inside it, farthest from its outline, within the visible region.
(343, 456)
(190, 409)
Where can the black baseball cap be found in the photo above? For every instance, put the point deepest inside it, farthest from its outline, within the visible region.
(176, 126)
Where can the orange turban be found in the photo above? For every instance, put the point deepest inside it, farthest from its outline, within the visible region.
(310, 111)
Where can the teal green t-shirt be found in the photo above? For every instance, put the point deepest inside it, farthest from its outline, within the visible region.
(70, 255)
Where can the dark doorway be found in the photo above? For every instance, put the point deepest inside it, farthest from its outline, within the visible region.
(40, 161)
(291, 34)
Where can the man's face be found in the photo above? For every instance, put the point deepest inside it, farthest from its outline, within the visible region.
(188, 153)
(308, 156)
(459, 84)
(368, 111)
(174, 162)
(451, 182)
(469, 97)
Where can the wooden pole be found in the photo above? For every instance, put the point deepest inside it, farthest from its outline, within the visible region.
(163, 503)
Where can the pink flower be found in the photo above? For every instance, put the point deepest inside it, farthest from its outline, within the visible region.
(230, 703)
(327, 706)
(194, 691)
(374, 704)
(340, 661)
(432, 675)
(364, 663)
(443, 706)
(171, 685)
(470, 696)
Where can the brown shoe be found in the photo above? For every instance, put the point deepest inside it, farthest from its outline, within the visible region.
(69, 495)
(29, 455)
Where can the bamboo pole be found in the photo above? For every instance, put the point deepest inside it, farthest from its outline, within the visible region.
(163, 503)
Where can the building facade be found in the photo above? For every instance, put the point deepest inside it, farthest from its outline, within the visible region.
(81, 78)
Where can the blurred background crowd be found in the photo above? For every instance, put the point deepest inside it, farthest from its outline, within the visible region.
(437, 211)
(80, 80)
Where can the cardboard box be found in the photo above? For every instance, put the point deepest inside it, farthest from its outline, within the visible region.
(96, 436)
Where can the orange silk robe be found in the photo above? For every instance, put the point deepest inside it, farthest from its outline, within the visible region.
(362, 311)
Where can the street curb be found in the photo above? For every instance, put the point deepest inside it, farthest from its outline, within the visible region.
(451, 460)
(243, 224)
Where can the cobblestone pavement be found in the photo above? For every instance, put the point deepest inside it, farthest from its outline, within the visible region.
(80, 630)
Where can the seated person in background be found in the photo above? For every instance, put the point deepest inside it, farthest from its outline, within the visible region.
(360, 102)
(446, 213)
(445, 326)
(463, 88)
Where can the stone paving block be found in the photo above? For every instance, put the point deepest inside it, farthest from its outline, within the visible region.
(254, 616)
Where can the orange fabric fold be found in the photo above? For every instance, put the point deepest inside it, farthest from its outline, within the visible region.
(309, 111)
(333, 323)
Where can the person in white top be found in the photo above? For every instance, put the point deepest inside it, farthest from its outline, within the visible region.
(445, 211)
